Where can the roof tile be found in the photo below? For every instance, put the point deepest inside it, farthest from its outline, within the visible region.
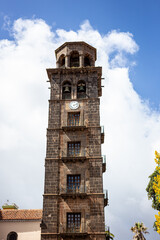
(22, 214)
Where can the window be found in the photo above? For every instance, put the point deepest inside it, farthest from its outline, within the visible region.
(73, 183)
(73, 222)
(74, 149)
(66, 90)
(81, 89)
(73, 119)
(74, 59)
(12, 236)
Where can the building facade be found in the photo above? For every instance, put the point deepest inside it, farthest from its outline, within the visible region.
(73, 200)
(21, 224)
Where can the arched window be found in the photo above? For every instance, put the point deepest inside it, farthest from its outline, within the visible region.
(74, 59)
(62, 61)
(66, 90)
(87, 61)
(81, 89)
(12, 236)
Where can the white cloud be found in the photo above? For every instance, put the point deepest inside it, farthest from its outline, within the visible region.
(131, 127)
(121, 41)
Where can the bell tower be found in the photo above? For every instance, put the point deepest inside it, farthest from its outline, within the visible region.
(73, 200)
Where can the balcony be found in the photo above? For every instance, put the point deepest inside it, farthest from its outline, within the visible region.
(74, 230)
(75, 122)
(73, 191)
(75, 156)
(78, 127)
(104, 163)
(105, 198)
(102, 134)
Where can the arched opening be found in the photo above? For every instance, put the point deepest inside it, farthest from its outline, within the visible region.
(74, 59)
(62, 61)
(81, 89)
(87, 61)
(12, 236)
(66, 90)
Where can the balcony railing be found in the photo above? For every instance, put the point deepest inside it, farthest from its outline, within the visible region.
(102, 134)
(73, 189)
(73, 229)
(105, 197)
(104, 163)
(73, 155)
(74, 125)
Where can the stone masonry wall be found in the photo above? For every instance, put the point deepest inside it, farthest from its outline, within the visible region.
(51, 176)
(50, 214)
(90, 202)
(73, 76)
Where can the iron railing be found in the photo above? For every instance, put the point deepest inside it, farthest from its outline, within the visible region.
(103, 163)
(73, 228)
(105, 197)
(74, 154)
(74, 124)
(102, 129)
(102, 134)
(104, 159)
(73, 189)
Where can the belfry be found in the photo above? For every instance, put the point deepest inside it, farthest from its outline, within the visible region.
(73, 200)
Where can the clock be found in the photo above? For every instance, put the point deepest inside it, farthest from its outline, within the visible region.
(74, 105)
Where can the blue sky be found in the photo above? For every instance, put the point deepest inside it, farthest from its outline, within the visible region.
(127, 35)
(140, 17)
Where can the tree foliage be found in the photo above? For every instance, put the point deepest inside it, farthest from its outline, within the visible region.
(156, 187)
(139, 230)
(109, 235)
(151, 192)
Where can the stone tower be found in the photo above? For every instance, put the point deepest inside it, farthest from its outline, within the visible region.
(73, 200)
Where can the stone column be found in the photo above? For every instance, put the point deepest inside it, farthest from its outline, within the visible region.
(81, 60)
(67, 61)
(57, 64)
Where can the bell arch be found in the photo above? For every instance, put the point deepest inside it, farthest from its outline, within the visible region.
(81, 89)
(74, 59)
(61, 61)
(88, 61)
(66, 90)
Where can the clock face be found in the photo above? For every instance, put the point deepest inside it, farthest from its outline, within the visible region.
(74, 105)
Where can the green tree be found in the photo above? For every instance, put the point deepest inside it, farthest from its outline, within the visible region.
(156, 187)
(151, 192)
(109, 235)
(139, 229)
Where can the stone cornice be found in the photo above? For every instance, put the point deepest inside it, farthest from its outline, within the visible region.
(75, 43)
(81, 70)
